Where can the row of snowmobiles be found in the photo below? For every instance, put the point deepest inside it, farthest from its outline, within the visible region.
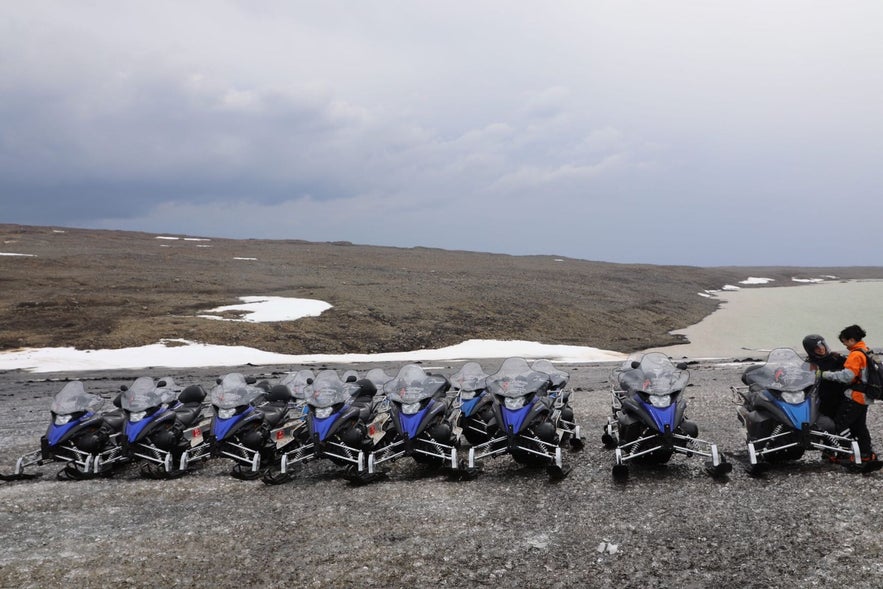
(452, 423)
(778, 404)
(268, 430)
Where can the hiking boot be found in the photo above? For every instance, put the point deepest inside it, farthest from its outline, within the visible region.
(869, 463)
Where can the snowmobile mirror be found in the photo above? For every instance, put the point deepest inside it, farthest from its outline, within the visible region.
(351, 378)
(161, 384)
(124, 388)
(635, 364)
(218, 381)
(309, 381)
(250, 380)
(681, 366)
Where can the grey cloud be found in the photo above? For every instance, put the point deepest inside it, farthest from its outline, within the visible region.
(695, 134)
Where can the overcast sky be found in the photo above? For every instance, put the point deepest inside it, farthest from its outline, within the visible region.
(679, 132)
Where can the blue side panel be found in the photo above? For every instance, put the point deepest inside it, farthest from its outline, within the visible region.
(222, 427)
(663, 416)
(798, 414)
(323, 426)
(133, 430)
(57, 432)
(515, 418)
(411, 423)
(469, 406)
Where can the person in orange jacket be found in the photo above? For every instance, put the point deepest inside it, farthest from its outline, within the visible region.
(853, 410)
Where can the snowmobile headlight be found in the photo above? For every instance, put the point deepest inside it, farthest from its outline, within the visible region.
(661, 401)
(793, 398)
(62, 419)
(323, 412)
(410, 408)
(226, 413)
(137, 416)
(513, 402)
(466, 395)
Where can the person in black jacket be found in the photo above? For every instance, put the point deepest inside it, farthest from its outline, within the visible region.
(819, 354)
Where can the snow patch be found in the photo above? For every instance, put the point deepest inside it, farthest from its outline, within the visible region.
(178, 353)
(269, 309)
(756, 280)
(19, 255)
(730, 287)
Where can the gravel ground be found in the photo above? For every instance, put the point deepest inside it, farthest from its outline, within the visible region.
(807, 524)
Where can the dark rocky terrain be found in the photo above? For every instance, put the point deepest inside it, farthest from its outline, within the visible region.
(111, 289)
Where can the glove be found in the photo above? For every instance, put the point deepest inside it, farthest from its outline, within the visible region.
(818, 374)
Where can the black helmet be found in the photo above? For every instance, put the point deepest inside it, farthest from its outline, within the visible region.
(813, 341)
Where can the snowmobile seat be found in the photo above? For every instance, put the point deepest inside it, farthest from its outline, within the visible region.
(365, 393)
(279, 393)
(188, 413)
(192, 394)
(274, 412)
(115, 419)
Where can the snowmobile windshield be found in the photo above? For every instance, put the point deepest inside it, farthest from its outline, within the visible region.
(471, 377)
(378, 377)
(73, 398)
(559, 377)
(329, 390)
(299, 382)
(234, 391)
(516, 379)
(653, 374)
(412, 385)
(784, 370)
(167, 389)
(142, 394)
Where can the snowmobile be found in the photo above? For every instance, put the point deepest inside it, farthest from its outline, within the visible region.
(527, 422)
(298, 383)
(341, 425)
(165, 426)
(779, 407)
(81, 434)
(564, 418)
(253, 425)
(473, 407)
(647, 423)
(420, 423)
(379, 378)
